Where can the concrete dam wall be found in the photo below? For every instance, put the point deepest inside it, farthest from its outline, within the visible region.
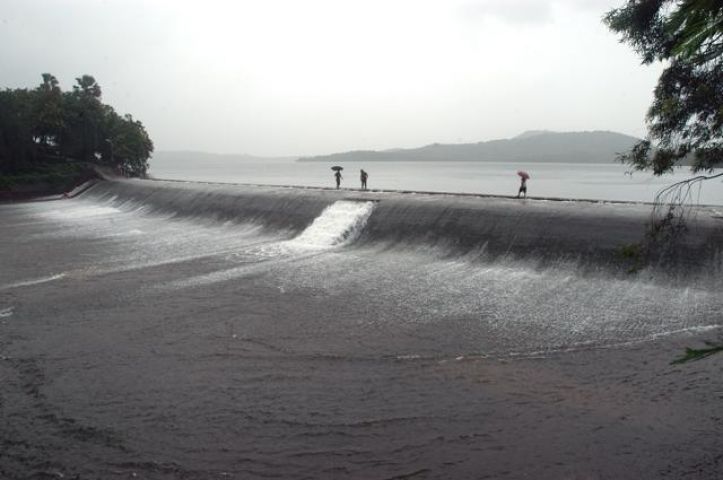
(593, 234)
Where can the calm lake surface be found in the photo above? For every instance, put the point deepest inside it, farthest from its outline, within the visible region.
(575, 181)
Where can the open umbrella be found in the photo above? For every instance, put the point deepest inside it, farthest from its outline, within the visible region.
(523, 174)
(337, 169)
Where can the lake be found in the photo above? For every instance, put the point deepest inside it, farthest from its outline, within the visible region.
(574, 181)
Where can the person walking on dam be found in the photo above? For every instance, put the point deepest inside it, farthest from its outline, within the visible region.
(363, 176)
(524, 176)
(337, 176)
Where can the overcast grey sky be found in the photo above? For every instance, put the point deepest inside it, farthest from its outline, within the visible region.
(292, 77)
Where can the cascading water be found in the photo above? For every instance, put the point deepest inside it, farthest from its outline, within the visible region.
(338, 224)
(198, 331)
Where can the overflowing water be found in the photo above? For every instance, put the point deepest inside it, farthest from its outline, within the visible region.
(152, 330)
(490, 305)
(340, 223)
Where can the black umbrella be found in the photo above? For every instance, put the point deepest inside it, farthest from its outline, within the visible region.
(337, 168)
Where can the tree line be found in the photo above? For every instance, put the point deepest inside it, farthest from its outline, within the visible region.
(46, 126)
(685, 119)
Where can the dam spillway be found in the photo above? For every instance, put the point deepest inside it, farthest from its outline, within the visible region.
(523, 264)
(537, 230)
(190, 330)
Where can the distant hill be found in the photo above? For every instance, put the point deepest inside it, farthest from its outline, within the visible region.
(531, 146)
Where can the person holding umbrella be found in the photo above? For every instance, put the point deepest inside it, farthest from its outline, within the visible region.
(524, 176)
(363, 177)
(337, 175)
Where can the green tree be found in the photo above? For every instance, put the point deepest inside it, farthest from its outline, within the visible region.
(88, 87)
(686, 117)
(83, 119)
(17, 150)
(47, 114)
(45, 126)
(685, 120)
(129, 145)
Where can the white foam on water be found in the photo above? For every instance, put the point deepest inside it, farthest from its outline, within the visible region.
(508, 306)
(339, 224)
(34, 281)
(214, 277)
(6, 312)
(127, 233)
(694, 330)
(248, 270)
(81, 211)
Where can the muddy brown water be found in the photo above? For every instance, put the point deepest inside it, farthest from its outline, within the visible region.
(136, 344)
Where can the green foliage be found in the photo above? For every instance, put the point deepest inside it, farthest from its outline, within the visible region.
(16, 127)
(692, 354)
(630, 251)
(7, 183)
(686, 117)
(634, 254)
(44, 126)
(47, 178)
